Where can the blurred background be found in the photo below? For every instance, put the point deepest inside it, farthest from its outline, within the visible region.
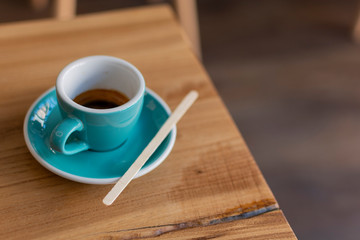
(289, 73)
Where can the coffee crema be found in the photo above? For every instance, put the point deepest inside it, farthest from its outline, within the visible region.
(101, 99)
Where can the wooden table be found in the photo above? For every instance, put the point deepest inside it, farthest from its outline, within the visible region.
(208, 187)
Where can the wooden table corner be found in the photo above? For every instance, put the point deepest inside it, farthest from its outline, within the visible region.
(208, 187)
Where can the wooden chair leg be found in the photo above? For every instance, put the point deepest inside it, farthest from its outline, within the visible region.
(65, 9)
(356, 30)
(188, 17)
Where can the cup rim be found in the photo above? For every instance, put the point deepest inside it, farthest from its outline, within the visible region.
(61, 91)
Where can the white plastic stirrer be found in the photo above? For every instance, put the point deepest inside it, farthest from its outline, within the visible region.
(151, 147)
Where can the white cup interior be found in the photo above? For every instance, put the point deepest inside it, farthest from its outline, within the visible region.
(100, 72)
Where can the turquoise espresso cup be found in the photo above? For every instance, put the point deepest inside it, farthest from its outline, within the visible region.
(84, 128)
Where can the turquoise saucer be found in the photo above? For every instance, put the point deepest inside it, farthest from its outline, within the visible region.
(96, 167)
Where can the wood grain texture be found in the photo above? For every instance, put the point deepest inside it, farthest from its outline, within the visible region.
(250, 228)
(209, 182)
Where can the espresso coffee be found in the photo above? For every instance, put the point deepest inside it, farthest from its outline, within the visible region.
(101, 98)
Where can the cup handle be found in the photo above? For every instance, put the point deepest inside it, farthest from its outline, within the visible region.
(61, 134)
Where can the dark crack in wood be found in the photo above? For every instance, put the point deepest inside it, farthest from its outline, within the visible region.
(241, 212)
